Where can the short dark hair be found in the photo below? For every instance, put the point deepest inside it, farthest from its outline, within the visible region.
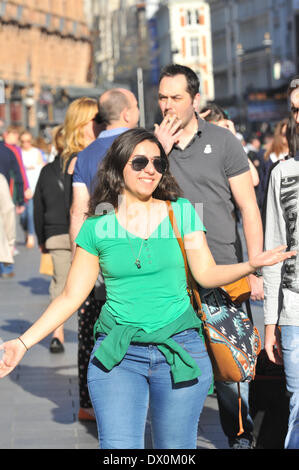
(109, 180)
(192, 79)
(111, 106)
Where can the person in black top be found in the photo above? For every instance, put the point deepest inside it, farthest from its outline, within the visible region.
(51, 226)
(80, 128)
(10, 169)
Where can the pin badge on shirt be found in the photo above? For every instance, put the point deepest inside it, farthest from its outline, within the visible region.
(208, 149)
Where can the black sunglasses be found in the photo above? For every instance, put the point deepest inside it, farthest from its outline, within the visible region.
(140, 162)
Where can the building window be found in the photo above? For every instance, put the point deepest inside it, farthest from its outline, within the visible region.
(194, 17)
(75, 27)
(61, 24)
(48, 20)
(189, 17)
(2, 8)
(194, 47)
(19, 12)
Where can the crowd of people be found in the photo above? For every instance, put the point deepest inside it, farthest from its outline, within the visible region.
(99, 208)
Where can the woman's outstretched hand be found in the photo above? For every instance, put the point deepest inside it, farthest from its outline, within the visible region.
(271, 257)
(14, 351)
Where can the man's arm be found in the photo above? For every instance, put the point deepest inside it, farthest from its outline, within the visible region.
(244, 196)
(78, 211)
(18, 180)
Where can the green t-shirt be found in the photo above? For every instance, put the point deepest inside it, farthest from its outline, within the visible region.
(156, 294)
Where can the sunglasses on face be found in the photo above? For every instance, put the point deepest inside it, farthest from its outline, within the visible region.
(138, 163)
(294, 110)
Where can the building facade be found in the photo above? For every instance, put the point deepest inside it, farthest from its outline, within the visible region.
(45, 57)
(121, 47)
(184, 37)
(118, 28)
(255, 52)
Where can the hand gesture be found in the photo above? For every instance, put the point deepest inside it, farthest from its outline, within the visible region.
(14, 351)
(205, 114)
(20, 210)
(28, 194)
(169, 132)
(271, 257)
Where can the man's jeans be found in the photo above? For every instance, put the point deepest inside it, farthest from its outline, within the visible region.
(227, 394)
(290, 350)
(27, 218)
(6, 268)
(121, 397)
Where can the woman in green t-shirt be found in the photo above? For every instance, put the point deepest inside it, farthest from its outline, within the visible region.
(149, 352)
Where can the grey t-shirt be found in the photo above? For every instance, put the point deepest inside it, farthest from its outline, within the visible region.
(202, 170)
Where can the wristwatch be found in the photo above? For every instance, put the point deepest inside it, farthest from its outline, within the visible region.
(258, 273)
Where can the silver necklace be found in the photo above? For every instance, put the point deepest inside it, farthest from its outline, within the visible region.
(137, 259)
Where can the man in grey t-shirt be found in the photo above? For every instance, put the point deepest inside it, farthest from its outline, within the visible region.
(222, 157)
(211, 168)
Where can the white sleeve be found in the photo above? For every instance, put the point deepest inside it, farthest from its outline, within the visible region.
(275, 235)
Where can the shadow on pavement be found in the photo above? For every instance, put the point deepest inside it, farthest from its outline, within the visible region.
(38, 285)
(55, 385)
(18, 326)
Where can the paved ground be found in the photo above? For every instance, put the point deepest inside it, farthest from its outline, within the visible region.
(39, 400)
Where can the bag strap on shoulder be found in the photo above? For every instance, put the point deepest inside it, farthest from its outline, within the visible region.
(191, 283)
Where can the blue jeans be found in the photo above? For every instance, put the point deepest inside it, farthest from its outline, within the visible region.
(6, 268)
(27, 220)
(121, 397)
(227, 394)
(290, 350)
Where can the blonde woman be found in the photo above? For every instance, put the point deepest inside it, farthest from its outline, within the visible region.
(80, 129)
(53, 194)
(51, 226)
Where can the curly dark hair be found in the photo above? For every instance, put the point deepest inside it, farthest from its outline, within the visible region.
(216, 112)
(110, 181)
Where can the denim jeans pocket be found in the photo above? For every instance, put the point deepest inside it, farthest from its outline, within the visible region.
(191, 341)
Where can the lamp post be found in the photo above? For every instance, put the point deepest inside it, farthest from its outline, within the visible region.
(29, 102)
(239, 55)
(267, 43)
(141, 96)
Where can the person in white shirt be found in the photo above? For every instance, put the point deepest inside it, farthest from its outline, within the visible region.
(33, 163)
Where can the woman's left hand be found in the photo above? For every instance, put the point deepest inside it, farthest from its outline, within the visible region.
(271, 257)
(14, 351)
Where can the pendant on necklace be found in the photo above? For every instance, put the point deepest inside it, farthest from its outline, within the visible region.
(137, 262)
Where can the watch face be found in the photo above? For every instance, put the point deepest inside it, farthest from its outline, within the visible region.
(258, 273)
